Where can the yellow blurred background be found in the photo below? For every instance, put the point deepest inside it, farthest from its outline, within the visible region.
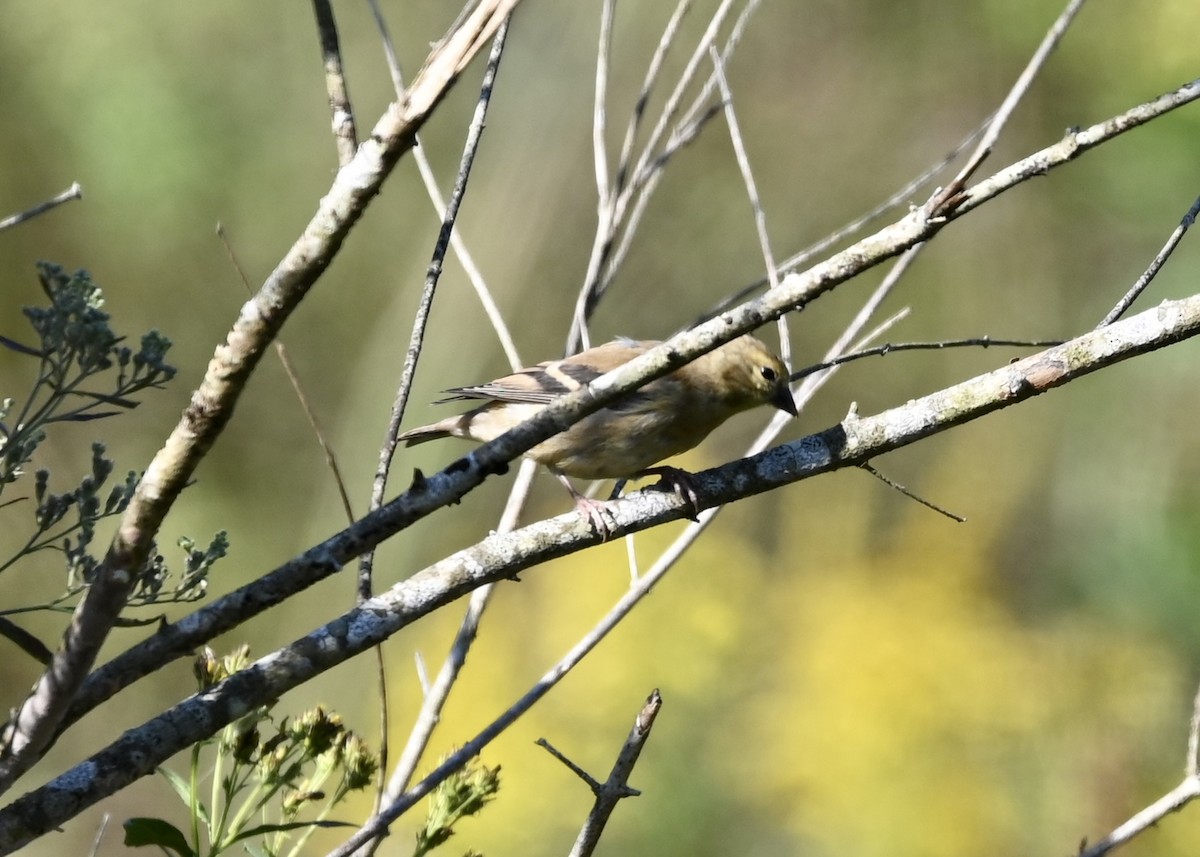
(844, 672)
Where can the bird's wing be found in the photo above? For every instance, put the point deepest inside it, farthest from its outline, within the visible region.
(545, 382)
(529, 386)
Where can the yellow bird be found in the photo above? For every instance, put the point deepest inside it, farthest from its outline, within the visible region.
(665, 417)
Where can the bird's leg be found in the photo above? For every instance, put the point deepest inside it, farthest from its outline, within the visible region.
(596, 510)
(679, 481)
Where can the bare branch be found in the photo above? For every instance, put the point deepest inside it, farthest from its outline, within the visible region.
(1192, 764)
(617, 786)
(893, 347)
(1001, 117)
(592, 783)
(293, 376)
(907, 492)
(389, 49)
(344, 134)
(1172, 801)
(1164, 254)
(433, 274)
(599, 123)
(613, 205)
(75, 191)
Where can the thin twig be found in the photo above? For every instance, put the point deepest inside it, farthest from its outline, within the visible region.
(289, 369)
(590, 291)
(599, 123)
(437, 692)
(760, 215)
(646, 179)
(592, 783)
(653, 69)
(457, 242)
(605, 196)
(802, 257)
(700, 104)
(948, 194)
(616, 786)
(1172, 801)
(75, 191)
(900, 197)
(104, 820)
(604, 263)
(893, 347)
(387, 449)
(1150, 273)
(310, 414)
(389, 50)
(1192, 763)
(345, 136)
(893, 484)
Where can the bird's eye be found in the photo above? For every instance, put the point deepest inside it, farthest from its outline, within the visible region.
(769, 374)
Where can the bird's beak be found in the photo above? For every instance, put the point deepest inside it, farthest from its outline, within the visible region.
(782, 399)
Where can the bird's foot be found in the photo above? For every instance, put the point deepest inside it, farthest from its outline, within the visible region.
(599, 514)
(597, 511)
(682, 484)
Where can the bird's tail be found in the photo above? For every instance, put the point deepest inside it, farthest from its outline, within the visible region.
(449, 427)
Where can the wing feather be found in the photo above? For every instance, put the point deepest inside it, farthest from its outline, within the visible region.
(545, 382)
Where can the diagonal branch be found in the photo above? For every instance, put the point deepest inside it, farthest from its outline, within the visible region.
(32, 728)
(73, 192)
(345, 135)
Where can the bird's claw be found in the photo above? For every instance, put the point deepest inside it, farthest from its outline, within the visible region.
(599, 514)
(681, 483)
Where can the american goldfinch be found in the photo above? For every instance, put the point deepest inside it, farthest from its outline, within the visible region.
(667, 416)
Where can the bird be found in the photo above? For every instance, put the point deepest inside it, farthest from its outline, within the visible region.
(627, 437)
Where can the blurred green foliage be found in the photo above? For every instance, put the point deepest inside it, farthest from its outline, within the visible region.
(843, 672)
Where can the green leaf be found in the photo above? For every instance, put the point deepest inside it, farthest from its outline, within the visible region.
(155, 831)
(264, 829)
(184, 789)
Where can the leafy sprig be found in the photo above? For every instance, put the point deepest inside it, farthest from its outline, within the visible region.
(84, 372)
(260, 787)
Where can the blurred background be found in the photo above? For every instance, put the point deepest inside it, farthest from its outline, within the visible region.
(844, 671)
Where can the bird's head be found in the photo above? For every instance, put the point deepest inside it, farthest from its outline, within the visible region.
(750, 374)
